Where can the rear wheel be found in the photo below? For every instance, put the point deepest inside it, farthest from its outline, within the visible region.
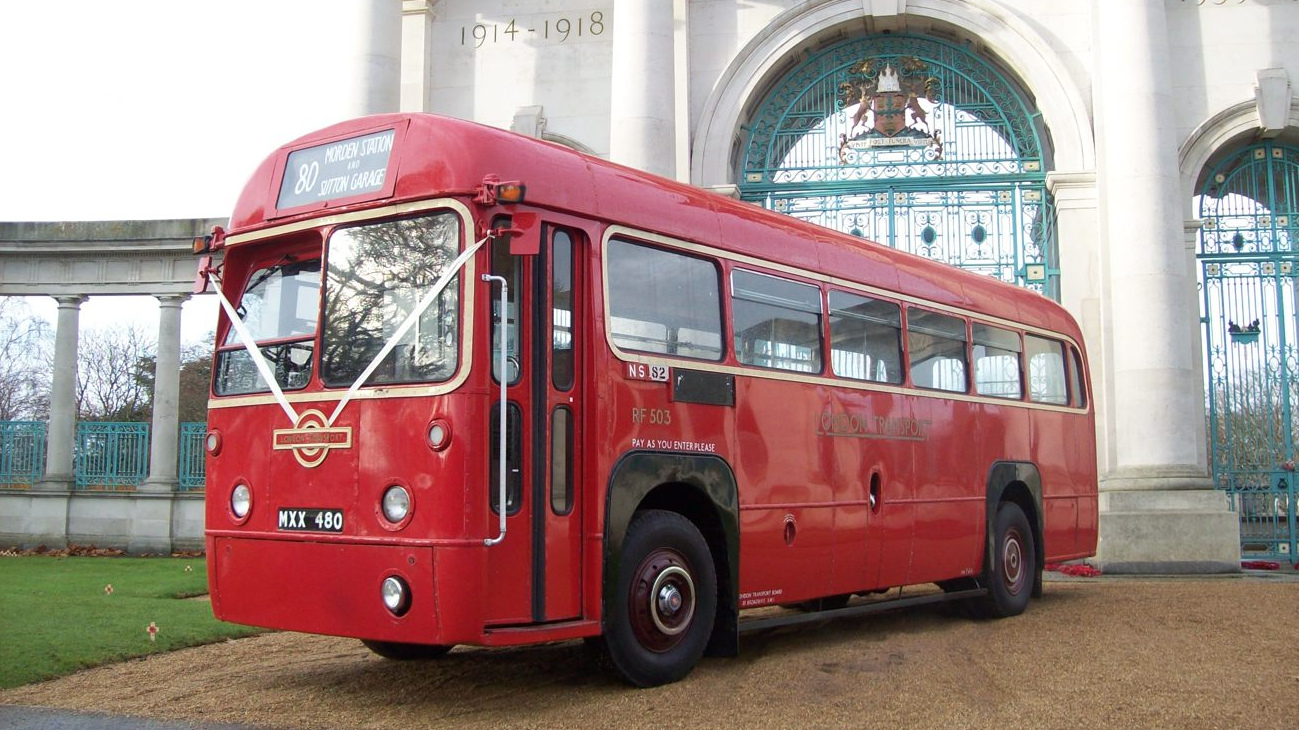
(1013, 564)
(663, 606)
(405, 652)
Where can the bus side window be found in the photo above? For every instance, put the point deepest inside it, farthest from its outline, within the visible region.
(777, 322)
(561, 461)
(663, 302)
(936, 348)
(1046, 370)
(996, 362)
(561, 310)
(506, 266)
(513, 459)
(865, 338)
(1077, 396)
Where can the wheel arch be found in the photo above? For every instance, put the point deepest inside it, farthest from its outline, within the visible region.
(702, 489)
(1018, 482)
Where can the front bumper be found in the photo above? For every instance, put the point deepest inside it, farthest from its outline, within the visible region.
(333, 588)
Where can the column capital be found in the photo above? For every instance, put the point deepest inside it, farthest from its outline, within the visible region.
(1073, 189)
(1063, 181)
(1191, 234)
(171, 300)
(70, 301)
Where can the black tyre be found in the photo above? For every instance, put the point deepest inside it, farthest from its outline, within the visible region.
(405, 652)
(662, 609)
(1013, 564)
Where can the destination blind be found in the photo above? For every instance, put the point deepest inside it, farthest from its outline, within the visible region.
(342, 169)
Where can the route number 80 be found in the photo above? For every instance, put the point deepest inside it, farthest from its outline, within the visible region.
(307, 175)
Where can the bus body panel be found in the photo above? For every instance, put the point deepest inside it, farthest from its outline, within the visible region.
(1070, 529)
(949, 498)
(388, 447)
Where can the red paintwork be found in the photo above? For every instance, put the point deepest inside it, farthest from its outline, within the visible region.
(930, 524)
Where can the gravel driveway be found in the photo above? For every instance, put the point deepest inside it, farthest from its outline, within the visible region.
(1106, 653)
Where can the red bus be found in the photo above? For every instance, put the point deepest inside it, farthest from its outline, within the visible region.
(475, 388)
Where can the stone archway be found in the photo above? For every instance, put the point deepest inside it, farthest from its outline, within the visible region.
(1026, 54)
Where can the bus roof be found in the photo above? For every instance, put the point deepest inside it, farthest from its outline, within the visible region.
(435, 156)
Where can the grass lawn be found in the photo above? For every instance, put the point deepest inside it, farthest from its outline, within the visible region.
(56, 616)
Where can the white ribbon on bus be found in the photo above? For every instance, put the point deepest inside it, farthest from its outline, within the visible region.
(250, 343)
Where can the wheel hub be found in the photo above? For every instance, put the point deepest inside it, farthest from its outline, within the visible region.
(670, 614)
(1012, 562)
(669, 600)
(662, 600)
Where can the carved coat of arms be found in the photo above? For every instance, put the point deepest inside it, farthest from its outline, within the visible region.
(885, 105)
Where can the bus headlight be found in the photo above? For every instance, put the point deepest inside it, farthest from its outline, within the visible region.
(213, 442)
(439, 435)
(396, 596)
(241, 500)
(396, 504)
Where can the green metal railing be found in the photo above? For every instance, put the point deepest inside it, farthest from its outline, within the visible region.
(22, 453)
(107, 456)
(111, 456)
(190, 467)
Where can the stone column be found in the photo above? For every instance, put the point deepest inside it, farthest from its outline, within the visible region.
(45, 515)
(1078, 229)
(1159, 512)
(416, 50)
(166, 398)
(371, 66)
(642, 116)
(63, 397)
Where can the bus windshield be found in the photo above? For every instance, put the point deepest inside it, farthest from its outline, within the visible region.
(279, 308)
(375, 276)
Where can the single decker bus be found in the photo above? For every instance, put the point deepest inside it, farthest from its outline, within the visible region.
(474, 388)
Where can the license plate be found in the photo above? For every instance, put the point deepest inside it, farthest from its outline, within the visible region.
(310, 519)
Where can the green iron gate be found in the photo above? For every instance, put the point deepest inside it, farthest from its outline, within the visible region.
(1247, 254)
(913, 142)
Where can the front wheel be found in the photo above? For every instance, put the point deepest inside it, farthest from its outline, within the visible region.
(662, 608)
(1013, 564)
(405, 652)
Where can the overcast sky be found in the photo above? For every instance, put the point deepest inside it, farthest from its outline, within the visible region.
(143, 109)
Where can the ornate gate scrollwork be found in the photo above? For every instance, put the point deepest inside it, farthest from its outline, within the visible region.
(915, 143)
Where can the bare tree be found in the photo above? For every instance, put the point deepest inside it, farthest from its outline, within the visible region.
(195, 379)
(26, 344)
(115, 374)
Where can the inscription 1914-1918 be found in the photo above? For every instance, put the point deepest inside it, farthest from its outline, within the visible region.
(559, 30)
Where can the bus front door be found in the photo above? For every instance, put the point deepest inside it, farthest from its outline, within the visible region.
(535, 573)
